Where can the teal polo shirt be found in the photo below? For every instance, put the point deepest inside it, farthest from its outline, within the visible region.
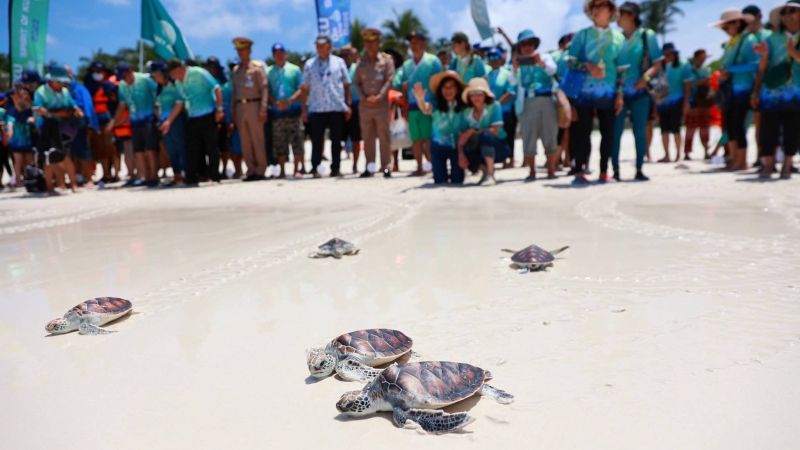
(446, 126)
(197, 91)
(413, 73)
(500, 84)
(167, 99)
(492, 116)
(677, 76)
(631, 57)
(468, 67)
(140, 98)
(283, 83)
(592, 45)
(742, 63)
(787, 96)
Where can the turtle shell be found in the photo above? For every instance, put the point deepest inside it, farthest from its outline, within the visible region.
(433, 384)
(375, 344)
(533, 255)
(102, 306)
(336, 243)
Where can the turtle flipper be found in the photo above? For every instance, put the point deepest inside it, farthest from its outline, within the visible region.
(88, 328)
(336, 255)
(499, 395)
(432, 420)
(416, 355)
(507, 250)
(352, 370)
(559, 250)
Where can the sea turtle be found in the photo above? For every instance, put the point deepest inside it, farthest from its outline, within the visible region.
(533, 258)
(353, 355)
(88, 316)
(416, 392)
(336, 248)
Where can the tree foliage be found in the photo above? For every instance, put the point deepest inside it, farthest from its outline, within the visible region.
(356, 40)
(398, 29)
(660, 15)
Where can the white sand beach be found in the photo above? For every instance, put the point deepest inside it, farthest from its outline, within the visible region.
(672, 322)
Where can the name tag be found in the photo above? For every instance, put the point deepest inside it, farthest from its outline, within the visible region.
(249, 82)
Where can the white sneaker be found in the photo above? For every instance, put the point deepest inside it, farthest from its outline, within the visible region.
(490, 181)
(484, 178)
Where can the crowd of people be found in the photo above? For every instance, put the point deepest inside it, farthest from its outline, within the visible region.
(459, 111)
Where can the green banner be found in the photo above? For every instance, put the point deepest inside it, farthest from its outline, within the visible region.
(27, 25)
(159, 28)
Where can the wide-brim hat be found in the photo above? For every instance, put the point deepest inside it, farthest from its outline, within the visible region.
(57, 74)
(477, 85)
(775, 13)
(241, 43)
(437, 79)
(371, 34)
(528, 35)
(587, 9)
(730, 15)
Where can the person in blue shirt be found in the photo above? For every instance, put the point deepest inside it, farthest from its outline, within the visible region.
(171, 119)
(80, 145)
(137, 96)
(285, 79)
(202, 98)
(737, 79)
(777, 89)
(467, 63)
(641, 59)
(671, 109)
(19, 122)
(504, 91)
(592, 84)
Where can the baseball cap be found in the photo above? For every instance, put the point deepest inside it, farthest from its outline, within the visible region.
(30, 76)
(753, 10)
(494, 54)
(278, 47)
(121, 69)
(323, 38)
(418, 34)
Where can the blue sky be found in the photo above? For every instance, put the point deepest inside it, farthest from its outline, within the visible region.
(79, 26)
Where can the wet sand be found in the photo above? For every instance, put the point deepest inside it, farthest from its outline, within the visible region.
(672, 322)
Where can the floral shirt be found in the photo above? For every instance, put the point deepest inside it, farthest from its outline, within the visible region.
(326, 80)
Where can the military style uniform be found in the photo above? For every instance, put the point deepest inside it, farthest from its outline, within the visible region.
(248, 101)
(374, 77)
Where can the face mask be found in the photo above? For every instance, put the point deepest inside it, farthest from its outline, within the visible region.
(97, 76)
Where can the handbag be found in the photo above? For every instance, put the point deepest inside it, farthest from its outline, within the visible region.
(658, 86)
(399, 132)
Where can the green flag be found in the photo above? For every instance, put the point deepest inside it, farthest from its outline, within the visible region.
(480, 15)
(159, 28)
(27, 25)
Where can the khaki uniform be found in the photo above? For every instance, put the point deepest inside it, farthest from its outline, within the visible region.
(248, 99)
(374, 77)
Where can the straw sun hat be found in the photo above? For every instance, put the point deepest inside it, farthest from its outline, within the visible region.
(775, 14)
(587, 8)
(730, 15)
(437, 79)
(476, 85)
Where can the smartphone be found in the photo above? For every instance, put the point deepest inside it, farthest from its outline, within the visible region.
(526, 60)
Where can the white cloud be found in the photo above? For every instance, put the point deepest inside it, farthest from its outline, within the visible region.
(51, 40)
(221, 18)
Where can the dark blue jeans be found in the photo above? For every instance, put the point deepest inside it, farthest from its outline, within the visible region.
(175, 141)
(440, 154)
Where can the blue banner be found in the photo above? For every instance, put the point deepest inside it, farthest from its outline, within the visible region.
(333, 19)
(480, 15)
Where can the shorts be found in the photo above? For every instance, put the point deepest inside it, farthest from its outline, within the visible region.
(420, 126)
(288, 131)
(670, 118)
(80, 146)
(539, 120)
(352, 128)
(26, 149)
(698, 118)
(144, 136)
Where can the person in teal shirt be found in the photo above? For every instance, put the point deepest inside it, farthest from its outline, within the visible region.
(172, 119)
(19, 120)
(739, 64)
(54, 107)
(137, 96)
(671, 110)
(285, 110)
(561, 56)
(700, 102)
(447, 124)
(778, 89)
(467, 63)
(535, 102)
(591, 83)
(420, 68)
(483, 140)
(504, 91)
(640, 60)
(202, 98)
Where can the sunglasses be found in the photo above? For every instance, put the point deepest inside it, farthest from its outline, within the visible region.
(787, 11)
(608, 5)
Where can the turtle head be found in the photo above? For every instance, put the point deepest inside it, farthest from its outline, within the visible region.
(57, 326)
(320, 363)
(355, 403)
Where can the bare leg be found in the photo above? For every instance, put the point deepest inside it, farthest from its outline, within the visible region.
(530, 162)
(417, 149)
(396, 166)
(69, 167)
(677, 137)
(665, 143)
(704, 139)
(689, 142)
(356, 154)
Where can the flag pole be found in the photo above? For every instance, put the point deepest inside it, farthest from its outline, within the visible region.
(141, 55)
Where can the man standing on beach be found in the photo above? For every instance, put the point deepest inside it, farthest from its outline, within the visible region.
(418, 69)
(249, 108)
(326, 84)
(202, 97)
(373, 77)
(284, 79)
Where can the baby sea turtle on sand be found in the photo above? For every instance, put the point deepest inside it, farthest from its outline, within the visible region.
(353, 355)
(533, 258)
(416, 391)
(336, 248)
(90, 315)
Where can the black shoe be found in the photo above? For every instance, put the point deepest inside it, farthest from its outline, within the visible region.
(366, 174)
(572, 172)
(387, 173)
(152, 184)
(757, 163)
(335, 174)
(617, 177)
(641, 177)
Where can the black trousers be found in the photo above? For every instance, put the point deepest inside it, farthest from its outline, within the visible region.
(201, 141)
(735, 118)
(318, 122)
(580, 136)
(776, 125)
(510, 127)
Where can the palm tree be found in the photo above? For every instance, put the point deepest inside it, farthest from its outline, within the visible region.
(398, 29)
(356, 40)
(660, 15)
